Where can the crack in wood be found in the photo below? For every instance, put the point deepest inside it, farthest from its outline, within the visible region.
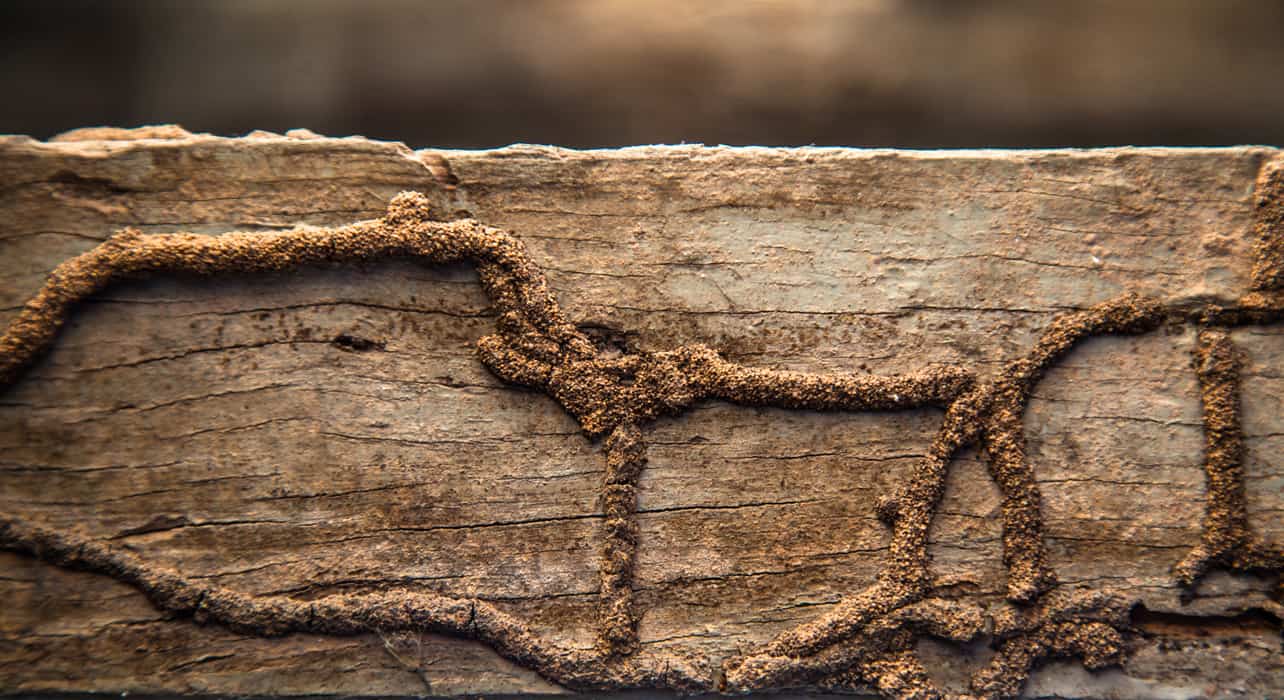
(866, 638)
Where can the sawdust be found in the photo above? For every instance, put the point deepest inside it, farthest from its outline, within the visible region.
(866, 639)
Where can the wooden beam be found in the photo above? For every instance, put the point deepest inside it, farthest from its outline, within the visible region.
(293, 415)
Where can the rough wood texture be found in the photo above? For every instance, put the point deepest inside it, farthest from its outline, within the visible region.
(320, 448)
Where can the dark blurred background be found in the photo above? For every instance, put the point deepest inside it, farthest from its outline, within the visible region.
(585, 73)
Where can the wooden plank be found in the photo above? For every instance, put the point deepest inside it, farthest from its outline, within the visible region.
(326, 438)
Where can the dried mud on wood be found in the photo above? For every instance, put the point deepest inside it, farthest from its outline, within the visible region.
(871, 637)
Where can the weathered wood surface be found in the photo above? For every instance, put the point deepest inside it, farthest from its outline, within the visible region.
(331, 430)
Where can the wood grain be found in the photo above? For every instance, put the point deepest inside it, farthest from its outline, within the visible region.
(331, 429)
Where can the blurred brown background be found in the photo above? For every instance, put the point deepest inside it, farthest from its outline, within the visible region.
(583, 73)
